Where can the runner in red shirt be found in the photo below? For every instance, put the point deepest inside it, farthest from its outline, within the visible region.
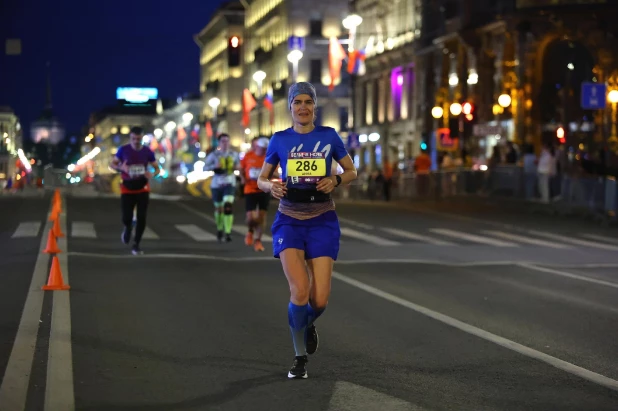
(132, 160)
(256, 200)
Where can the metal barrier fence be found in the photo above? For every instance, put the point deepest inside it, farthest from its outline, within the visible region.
(589, 194)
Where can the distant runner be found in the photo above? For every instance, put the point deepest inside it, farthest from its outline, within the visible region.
(132, 161)
(223, 161)
(256, 200)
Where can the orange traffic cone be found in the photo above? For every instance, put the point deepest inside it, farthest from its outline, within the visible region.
(55, 281)
(53, 216)
(57, 231)
(52, 245)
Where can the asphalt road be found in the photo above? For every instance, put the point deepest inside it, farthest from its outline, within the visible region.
(434, 307)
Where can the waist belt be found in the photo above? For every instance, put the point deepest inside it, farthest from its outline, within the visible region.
(296, 195)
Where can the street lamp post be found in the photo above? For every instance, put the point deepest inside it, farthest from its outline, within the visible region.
(350, 23)
(612, 97)
(259, 77)
(294, 57)
(504, 100)
(214, 104)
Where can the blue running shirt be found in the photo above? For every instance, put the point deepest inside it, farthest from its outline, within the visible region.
(305, 159)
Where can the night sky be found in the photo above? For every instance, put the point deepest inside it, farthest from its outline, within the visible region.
(94, 47)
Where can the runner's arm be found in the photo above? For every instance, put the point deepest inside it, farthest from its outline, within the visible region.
(349, 171)
(266, 174)
(157, 169)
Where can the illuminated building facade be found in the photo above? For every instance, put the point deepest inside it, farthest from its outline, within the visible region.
(273, 28)
(521, 65)
(221, 86)
(386, 95)
(10, 142)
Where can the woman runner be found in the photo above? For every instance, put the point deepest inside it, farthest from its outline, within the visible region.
(306, 228)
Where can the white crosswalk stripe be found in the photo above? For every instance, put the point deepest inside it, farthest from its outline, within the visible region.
(472, 237)
(522, 239)
(27, 229)
(370, 238)
(577, 241)
(149, 234)
(414, 236)
(195, 232)
(83, 229)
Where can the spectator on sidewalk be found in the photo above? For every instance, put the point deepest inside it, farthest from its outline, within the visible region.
(546, 171)
(530, 178)
(422, 168)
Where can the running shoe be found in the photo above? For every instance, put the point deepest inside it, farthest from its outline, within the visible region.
(136, 250)
(249, 238)
(126, 236)
(258, 246)
(298, 369)
(228, 238)
(312, 339)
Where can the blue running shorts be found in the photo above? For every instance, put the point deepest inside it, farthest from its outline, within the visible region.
(318, 236)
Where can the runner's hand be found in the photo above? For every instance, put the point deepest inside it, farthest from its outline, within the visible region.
(326, 185)
(278, 190)
(124, 167)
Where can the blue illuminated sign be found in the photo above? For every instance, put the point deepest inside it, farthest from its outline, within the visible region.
(137, 94)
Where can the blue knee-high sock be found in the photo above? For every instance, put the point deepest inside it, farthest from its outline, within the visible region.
(314, 314)
(298, 319)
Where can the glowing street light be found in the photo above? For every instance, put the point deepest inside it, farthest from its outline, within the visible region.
(437, 112)
(612, 96)
(456, 109)
(504, 100)
(294, 57)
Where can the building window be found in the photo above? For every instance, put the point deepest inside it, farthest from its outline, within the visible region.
(315, 71)
(315, 28)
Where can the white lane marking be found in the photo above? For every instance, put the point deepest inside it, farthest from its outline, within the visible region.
(485, 335)
(83, 229)
(597, 237)
(196, 232)
(370, 238)
(522, 239)
(352, 397)
(576, 241)
(349, 262)
(242, 230)
(149, 234)
(172, 256)
(14, 388)
(414, 236)
(355, 223)
(569, 275)
(27, 229)
(472, 237)
(59, 388)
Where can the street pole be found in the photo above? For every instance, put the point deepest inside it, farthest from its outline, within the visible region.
(259, 77)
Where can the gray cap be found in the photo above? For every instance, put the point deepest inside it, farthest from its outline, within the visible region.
(301, 88)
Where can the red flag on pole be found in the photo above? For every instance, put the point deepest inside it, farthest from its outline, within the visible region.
(336, 54)
(248, 104)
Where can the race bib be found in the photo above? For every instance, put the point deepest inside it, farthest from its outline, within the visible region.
(227, 180)
(254, 173)
(306, 167)
(137, 170)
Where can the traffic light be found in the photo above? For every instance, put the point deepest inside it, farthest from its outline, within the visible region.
(233, 51)
(560, 135)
